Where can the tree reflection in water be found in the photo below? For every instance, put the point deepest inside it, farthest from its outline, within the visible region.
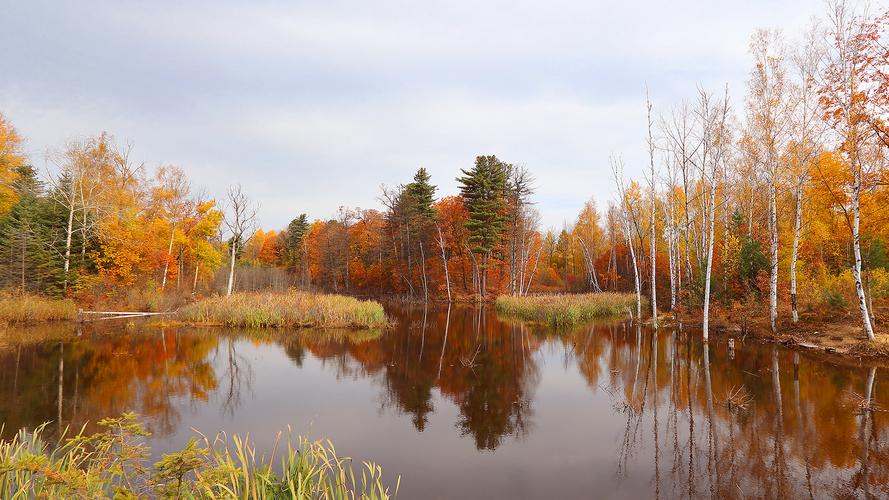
(810, 428)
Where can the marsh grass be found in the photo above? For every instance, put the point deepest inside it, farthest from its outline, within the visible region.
(566, 309)
(279, 310)
(29, 308)
(111, 464)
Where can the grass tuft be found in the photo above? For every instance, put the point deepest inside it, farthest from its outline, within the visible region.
(279, 310)
(566, 309)
(112, 464)
(28, 308)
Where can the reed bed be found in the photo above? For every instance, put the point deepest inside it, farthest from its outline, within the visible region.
(29, 308)
(278, 310)
(111, 464)
(566, 309)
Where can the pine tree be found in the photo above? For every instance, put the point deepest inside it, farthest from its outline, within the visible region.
(294, 245)
(421, 195)
(484, 193)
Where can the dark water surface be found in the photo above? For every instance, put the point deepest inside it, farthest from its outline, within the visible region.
(465, 405)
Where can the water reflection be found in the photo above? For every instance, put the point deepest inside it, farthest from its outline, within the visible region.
(673, 417)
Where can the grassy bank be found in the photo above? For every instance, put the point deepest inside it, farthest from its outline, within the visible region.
(111, 464)
(566, 309)
(27, 308)
(293, 309)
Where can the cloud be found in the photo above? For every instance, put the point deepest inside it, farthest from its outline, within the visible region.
(311, 105)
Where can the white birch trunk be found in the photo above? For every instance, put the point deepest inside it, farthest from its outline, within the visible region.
(798, 194)
(169, 253)
(231, 269)
(856, 244)
(68, 234)
(709, 272)
(444, 261)
(773, 250)
(636, 280)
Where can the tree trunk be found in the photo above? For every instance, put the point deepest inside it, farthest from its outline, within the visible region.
(444, 261)
(709, 272)
(637, 282)
(484, 285)
(68, 235)
(798, 195)
(169, 253)
(423, 265)
(231, 269)
(773, 250)
(856, 246)
(533, 269)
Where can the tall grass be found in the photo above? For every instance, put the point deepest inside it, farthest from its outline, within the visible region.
(566, 309)
(111, 464)
(292, 309)
(28, 308)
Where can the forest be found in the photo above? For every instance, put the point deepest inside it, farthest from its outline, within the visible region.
(772, 209)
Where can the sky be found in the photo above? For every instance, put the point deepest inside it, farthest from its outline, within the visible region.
(313, 105)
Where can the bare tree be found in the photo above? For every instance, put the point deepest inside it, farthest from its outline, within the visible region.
(444, 261)
(617, 169)
(240, 220)
(652, 196)
(714, 148)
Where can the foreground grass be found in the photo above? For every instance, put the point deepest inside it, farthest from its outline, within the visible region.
(566, 309)
(111, 464)
(27, 308)
(293, 309)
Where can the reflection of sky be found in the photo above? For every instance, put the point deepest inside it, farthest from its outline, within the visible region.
(562, 452)
(313, 104)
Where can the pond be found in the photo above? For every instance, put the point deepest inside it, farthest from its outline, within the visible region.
(462, 404)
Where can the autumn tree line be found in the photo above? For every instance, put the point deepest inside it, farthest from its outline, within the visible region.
(776, 203)
(771, 207)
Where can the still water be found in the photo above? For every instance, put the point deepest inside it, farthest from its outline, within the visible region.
(462, 404)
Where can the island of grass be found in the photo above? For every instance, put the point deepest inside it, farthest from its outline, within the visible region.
(285, 310)
(566, 309)
(27, 308)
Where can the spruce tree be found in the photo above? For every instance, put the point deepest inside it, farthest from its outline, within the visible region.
(484, 194)
(27, 260)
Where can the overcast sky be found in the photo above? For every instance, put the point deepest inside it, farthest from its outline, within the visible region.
(312, 105)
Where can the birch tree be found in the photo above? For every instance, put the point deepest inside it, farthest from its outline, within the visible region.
(841, 96)
(768, 114)
(714, 147)
(171, 192)
(806, 129)
(240, 220)
(652, 194)
(617, 171)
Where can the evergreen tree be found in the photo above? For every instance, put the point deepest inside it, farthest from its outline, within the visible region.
(484, 193)
(27, 260)
(294, 246)
(420, 196)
